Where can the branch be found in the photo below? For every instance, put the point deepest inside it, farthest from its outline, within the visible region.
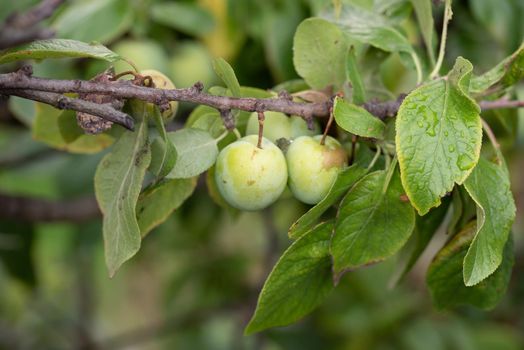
(21, 82)
(500, 104)
(32, 209)
(21, 28)
(59, 101)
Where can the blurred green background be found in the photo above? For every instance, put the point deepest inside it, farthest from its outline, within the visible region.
(194, 283)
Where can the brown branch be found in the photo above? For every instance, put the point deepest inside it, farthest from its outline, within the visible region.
(34, 210)
(21, 82)
(24, 27)
(500, 104)
(59, 101)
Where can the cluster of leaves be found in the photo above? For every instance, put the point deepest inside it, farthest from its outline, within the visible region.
(431, 160)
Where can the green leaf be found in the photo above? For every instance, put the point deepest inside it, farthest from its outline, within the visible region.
(185, 17)
(227, 74)
(345, 179)
(319, 53)
(299, 282)
(354, 77)
(118, 181)
(508, 72)
(156, 203)
(425, 228)
(438, 137)
(163, 152)
(59, 130)
(489, 187)
(445, 279)
(369, 28)
(100, 20)
(197, 151)
(425, 21)
(58, 48)
(372, 224)
(357, 120)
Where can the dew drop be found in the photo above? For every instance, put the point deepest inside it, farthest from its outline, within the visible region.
(446, 133)
(451, 148)
(465, 162)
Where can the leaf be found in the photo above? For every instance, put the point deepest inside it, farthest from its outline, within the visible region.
(508, 72)
(425, 228)
(369, 28)
(185, 17)
(445, 279)
(156, 203)
(58, 48)
(489, 187)
(118, 181)
(227, 74)
(438, 137)
(100, 20)
(163, 152)
(319, 53)
(425, 21)
(345, 179)
(354, 77)
(357, 120)
(372, 223)
(59, 130)
(299, 282)
(197, 151)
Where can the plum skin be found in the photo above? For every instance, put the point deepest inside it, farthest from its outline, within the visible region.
(248, 177)
(278, 125)
(313, 167)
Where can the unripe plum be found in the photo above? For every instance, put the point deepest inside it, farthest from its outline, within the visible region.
(276, 126)
(248, 177)
(314, 167)
(162, 82)
(143, 53)
(299, 127)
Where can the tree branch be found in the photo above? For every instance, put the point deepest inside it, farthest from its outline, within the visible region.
(59, 101)
(21, 28)
(500, 104)
(21, 83)
(34, 210)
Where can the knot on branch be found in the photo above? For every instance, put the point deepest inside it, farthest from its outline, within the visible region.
(198, 87)
(283, 94)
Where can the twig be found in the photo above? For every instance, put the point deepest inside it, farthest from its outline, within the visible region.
(448, 13)
(59, 101)
(500, 104)
(23, 27)
(34, 210)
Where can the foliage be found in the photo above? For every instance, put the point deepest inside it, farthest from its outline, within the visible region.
(430, 169)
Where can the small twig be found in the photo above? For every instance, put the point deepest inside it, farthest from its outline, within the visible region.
(448, 13)
(34, 210)
(500, 104)
(354, 139)
(491, 135)
(105, 111)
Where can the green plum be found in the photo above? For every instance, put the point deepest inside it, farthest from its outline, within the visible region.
(299, 127)
(162, 82)
(276, 125)
(191, 63)
(248, 177)
(314, 167)
(144, 54)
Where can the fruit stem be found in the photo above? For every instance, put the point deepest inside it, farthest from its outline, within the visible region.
(328, 125)
(127, 72)
(261, 119)
(375, 158)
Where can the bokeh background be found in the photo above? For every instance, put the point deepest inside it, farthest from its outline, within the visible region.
(194, 283)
